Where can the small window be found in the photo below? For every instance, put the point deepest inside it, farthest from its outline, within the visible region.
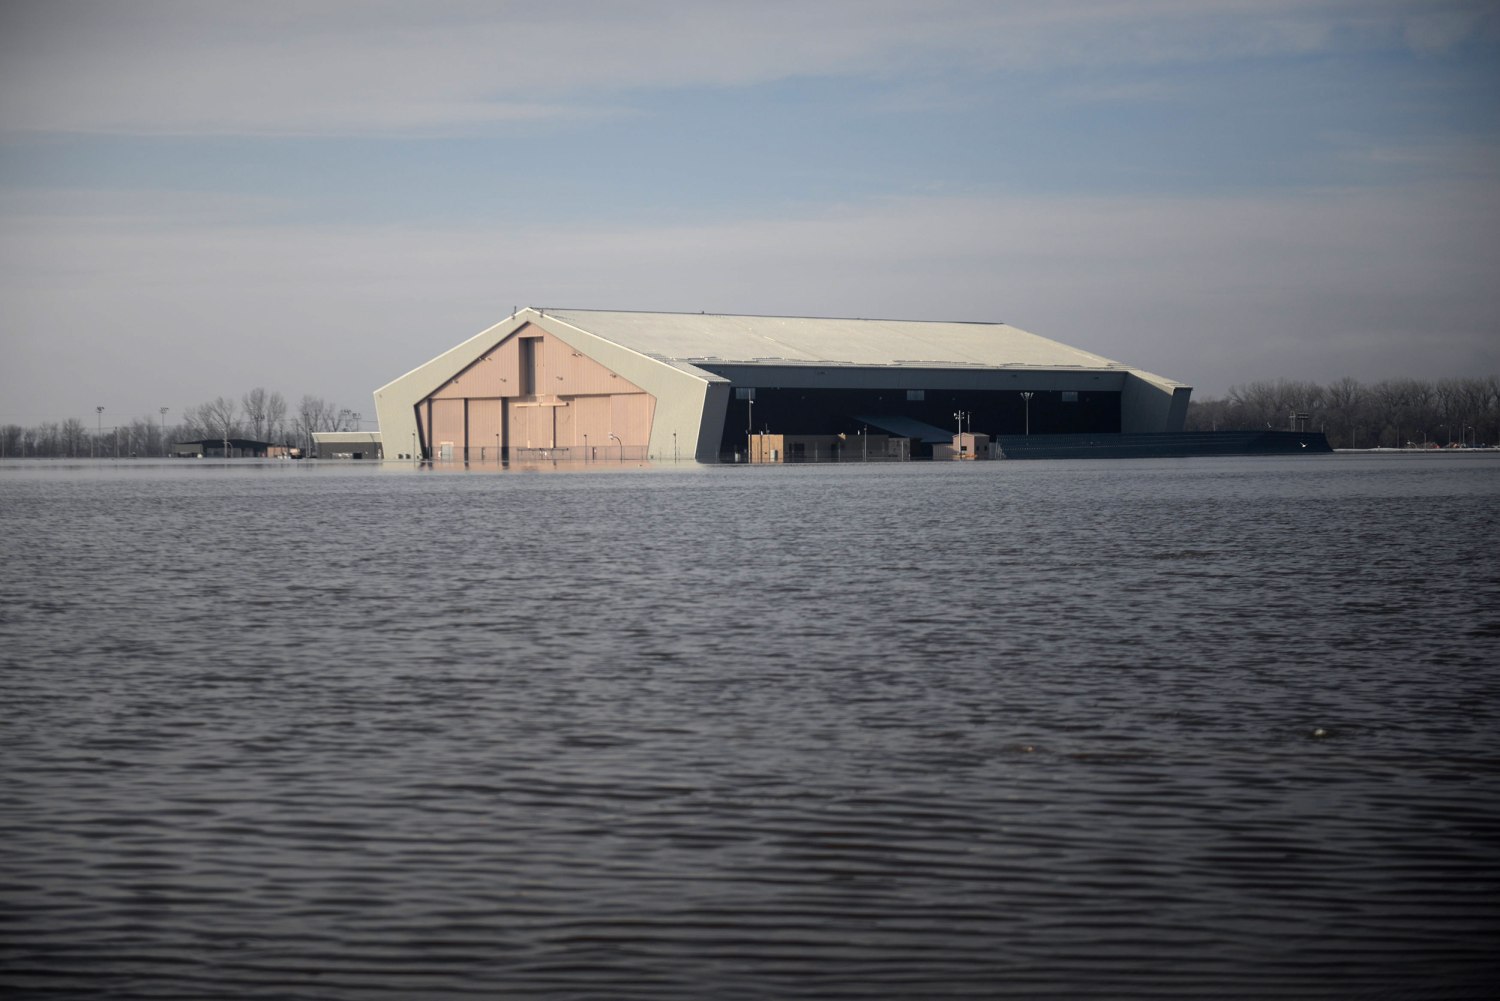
(1069, 397)
(916, 394)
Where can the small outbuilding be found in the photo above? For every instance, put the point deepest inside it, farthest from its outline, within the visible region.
(347, 445)
(967, 445)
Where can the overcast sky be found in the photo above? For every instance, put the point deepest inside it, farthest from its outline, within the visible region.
(197, 198)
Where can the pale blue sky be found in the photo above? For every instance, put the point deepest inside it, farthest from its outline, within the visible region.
(197, 198)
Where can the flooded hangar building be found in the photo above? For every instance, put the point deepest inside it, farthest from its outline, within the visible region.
(595, 384)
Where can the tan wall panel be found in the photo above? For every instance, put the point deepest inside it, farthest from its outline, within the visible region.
(591, 417)
(484, 426)
(631, 414)
(531, 427)
(480, 379)
(564, 421)
(496, 373)
(448, 423)
(508, 357)
(582, 376)
(560, 371)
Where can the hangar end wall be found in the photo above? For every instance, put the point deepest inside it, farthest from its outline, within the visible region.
(534, 391)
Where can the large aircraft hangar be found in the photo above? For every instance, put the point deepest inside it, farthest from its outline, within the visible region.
(596, 384)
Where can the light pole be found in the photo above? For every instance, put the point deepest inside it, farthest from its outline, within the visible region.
(621, 444)
(98, 431)
(749, 425)
(1476, 436)
(1027, 397)
(163, 431)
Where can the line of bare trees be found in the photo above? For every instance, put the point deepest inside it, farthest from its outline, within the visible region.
(258, 415)
(1392, 413)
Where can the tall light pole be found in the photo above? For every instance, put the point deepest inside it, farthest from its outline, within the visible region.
(163, 431)
(1027, 397)
(98, 431)
(621, 444)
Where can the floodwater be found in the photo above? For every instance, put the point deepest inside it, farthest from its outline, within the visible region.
(1180, 728)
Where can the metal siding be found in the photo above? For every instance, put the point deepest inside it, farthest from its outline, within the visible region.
(630, 415)
(591, 418)
(563, 426)
(508, 359)
(530, 427)
(481, 379)
(484, 427)
(448, 424)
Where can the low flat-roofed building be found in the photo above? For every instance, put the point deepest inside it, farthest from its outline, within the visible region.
(347, 445)
(215, 448)
(599, 384)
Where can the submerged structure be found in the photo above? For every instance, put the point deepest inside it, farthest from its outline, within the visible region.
(595, 384)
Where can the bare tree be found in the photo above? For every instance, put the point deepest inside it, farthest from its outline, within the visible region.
(72, 436)
(1256, 404)
(1346, 398)
(315, 414)
(275, 416)
(220, 418)
(255, 404)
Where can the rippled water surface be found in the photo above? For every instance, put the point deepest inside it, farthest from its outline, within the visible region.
(1030, 729)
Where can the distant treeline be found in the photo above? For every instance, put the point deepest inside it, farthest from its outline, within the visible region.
(1392, 413)
(257, 415)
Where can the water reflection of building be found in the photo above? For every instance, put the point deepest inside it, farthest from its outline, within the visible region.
(597, 385)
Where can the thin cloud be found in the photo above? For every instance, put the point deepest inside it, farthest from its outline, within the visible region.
(280, 68)
(1209, 291)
